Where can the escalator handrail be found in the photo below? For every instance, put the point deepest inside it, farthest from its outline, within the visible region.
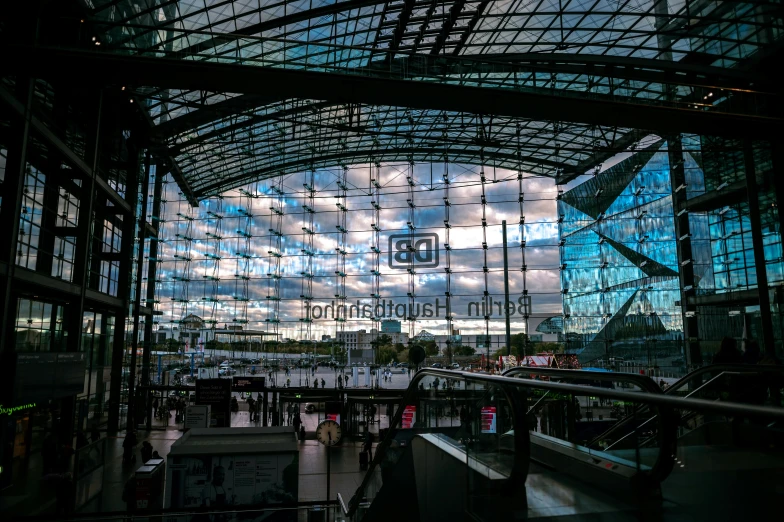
(408, 398)
(658, 399)
(642, 381)
(711, 368)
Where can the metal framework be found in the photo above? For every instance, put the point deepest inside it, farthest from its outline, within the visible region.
(226, 83)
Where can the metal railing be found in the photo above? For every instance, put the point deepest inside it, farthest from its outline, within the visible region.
(666, 404)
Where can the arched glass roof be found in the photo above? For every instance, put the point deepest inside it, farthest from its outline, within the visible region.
(692, 56)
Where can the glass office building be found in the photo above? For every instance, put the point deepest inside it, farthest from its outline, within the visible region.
(630, 279)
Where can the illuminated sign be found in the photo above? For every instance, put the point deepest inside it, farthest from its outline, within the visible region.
(409, 417)
(12, 409)
(488, 419)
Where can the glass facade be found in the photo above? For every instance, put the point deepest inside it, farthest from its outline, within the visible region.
(620, 265)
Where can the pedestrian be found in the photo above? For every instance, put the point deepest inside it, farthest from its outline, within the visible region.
(129, 444)
(323, 383)
(65, 494)
(728, 352)
(155, 405)
(346, 377)
(288, 382)
(752, 354)
(129, 494)
(146, 451)
(297, 422)
(368, 445)
(251, 407)
(302, 433)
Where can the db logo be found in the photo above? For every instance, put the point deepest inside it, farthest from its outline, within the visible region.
(417, 250)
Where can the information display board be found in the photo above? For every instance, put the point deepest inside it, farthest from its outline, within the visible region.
(41, 376)
(249, 384)
(409, 417)
(215, 393)
(197, 417)
(488, 419)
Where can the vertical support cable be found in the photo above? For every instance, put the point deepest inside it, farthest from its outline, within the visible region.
(486, 304)
(308, 251)
(450, 344)
(375, 192)
(212, 273)
(340, 270)
(410, 316)
(276, 252)
(184, 256)
(523, 266)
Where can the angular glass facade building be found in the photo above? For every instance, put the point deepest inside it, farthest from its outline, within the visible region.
(663, 238)
(619, 266)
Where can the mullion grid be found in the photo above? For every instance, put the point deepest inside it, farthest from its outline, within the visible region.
(503, 133)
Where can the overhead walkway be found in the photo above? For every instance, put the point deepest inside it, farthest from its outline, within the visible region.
(614, 447)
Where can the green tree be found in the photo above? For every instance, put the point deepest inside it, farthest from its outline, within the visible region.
(172, 345)
(386, 355)
(522, 346)
(431, 348)
(464, 350)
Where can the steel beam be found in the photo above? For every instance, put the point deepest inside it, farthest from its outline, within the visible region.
(684, 252)
(758, 244)
(483, 157)
(70, 157)
(94, 68)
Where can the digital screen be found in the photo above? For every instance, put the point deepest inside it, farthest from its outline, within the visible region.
(41, 376)
(249, 384)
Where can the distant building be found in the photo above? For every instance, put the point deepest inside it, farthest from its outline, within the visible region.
(359, 343)
(390, 326)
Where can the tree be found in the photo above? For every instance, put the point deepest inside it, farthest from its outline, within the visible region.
(431, 348)
(464, 350)
(172, 345)
(386, 355)
(522, 346)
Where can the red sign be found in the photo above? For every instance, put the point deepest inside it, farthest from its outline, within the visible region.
(409, 417)
(333, 417)
(488, 419)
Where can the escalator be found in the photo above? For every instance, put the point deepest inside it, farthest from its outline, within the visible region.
(469, 446)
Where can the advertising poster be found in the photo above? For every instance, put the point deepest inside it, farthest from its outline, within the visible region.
(488, 419)
(409, 417)
(215, 393)
(197, 417)
(233, 481)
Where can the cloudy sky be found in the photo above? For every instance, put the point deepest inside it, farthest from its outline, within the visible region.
(190, 251)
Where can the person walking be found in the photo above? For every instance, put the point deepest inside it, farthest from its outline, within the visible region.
(297, 423)
(346, 378)
(146, 451)
(728, 352)
(323, 383)
(129, 444)
(368, 445)
(251, 408)
(155, 405)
